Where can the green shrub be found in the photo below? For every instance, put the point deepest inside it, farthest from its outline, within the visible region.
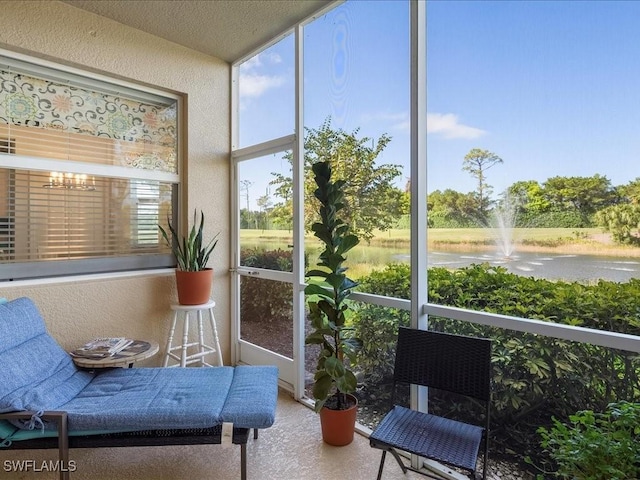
(596, 446)
(266, 300)
(535, 377)
(623, 221)
(448, 220)
(281, 260)
(555, 219)
(392, 281)
(377, 326)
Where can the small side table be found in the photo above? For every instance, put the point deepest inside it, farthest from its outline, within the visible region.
(202, 349)
(137, 351)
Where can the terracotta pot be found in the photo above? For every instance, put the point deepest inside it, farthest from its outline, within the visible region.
(194, 288)
(338, 425)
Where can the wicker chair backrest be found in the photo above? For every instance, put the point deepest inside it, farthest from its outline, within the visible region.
(454, 363)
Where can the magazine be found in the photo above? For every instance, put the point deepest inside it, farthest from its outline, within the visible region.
(102, 347)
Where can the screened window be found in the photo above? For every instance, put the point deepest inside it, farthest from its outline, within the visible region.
(87, 171)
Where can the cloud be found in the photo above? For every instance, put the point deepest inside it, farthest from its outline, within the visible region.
(447, 125)
(443, 124)
(254, 83)
(274, 58)
(398, 121)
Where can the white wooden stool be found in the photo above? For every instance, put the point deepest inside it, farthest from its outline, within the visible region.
(202, 349)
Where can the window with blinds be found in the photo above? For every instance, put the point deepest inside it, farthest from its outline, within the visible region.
(88, 169)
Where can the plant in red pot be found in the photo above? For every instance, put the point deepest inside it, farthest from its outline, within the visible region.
(193, 277)
(327, 299)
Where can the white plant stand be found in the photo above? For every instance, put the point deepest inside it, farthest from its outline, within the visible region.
(180, 352)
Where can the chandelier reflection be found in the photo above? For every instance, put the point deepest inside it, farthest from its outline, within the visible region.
(71, 181)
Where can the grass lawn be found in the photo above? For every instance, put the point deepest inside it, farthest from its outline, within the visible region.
(560, 240)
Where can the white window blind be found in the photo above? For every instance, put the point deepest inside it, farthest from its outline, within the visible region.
(87, 171)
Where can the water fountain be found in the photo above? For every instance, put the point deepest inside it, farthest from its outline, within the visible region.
(502, 222)
(552, 266)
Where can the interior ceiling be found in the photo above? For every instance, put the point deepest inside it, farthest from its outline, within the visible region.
(227, 29)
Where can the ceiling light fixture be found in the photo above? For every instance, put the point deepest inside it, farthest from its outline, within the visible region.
(71, 181)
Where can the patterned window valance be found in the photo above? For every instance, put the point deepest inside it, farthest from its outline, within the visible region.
(109, 128)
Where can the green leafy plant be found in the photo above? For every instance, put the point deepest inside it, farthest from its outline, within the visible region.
(597, 446)
(191, 253)
(262, 300)
(377, 326)
(328, 291)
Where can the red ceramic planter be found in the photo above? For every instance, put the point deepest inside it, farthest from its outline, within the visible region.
(194, 288)
(338, 426)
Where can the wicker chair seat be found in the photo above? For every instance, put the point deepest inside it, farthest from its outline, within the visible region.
(442, 439)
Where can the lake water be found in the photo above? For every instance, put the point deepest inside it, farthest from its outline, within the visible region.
(583, 268)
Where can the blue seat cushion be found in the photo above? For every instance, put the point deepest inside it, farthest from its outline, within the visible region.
(151, 398)
(251, 401)
(37, 374)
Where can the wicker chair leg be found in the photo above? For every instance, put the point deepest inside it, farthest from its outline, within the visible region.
(486, 458)
(384, 454)
(399, 460)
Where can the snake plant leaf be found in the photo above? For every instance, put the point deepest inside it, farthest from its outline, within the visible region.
(190, 253)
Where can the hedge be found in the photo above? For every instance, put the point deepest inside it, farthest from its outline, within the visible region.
(535, 377)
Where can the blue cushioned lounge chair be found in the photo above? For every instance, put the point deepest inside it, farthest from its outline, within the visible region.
(47, 402)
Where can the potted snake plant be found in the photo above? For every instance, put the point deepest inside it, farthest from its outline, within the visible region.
(327, 293)
(193, 278)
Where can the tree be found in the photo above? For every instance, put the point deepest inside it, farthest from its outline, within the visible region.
(530, 197)
(452, 209)
(282, 211)
(586, 195)
(477, 162)
(245, 185)
(631, 191)
(623, 221)
(264, 204)
(371, 200)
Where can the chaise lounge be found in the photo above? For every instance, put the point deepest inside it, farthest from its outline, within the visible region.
(47, 402)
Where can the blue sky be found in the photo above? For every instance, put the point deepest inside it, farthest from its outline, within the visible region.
(549, 86)
(552, 87)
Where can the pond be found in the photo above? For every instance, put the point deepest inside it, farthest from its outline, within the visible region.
(582, 268)
(568, 267)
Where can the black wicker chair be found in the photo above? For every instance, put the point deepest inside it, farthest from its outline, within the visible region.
(452, 363)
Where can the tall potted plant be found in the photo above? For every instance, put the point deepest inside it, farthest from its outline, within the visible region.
(193, 277)
(328, 291)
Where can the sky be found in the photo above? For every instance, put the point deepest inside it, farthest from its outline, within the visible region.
(549, 86)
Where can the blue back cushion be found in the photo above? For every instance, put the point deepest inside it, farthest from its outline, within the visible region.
(36, 372)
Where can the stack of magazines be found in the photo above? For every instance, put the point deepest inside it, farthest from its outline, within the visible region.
(102, 347)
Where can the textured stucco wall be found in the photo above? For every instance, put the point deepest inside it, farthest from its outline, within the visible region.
(137, 306)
